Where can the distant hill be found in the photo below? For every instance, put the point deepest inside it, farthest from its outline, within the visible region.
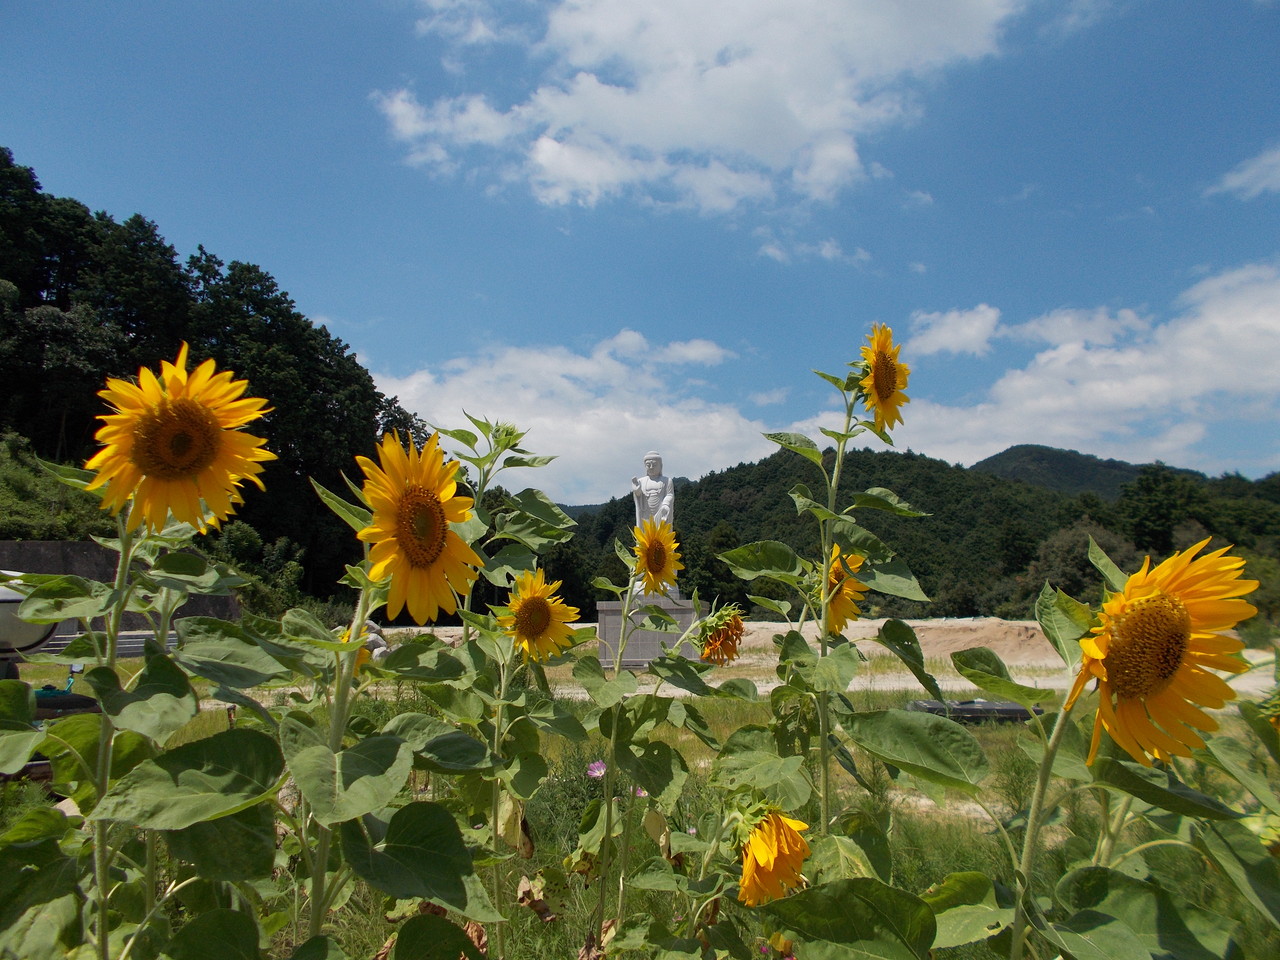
(1064, 471)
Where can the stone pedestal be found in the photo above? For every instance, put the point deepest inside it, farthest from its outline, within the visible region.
(642, 645)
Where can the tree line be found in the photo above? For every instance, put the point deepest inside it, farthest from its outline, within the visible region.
(84, 297)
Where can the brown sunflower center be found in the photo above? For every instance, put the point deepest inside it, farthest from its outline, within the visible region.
(1148, 643)
(176, 440)
(884, 376)
(655, 558)
(533, 616)
(421, 526)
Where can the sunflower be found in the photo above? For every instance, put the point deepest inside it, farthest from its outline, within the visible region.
(772, 858)
(844, 591)
(173, 443)
(414, 499)
(657, 556)
(885, 379)
(723, 633)
(539, 620)
(1153, 648)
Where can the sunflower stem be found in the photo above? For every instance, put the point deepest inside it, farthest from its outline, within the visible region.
(1112, 831)
(1030, 841)
(338, 717)
(605, 844)
(623, 857)
(702, 875)
(825, 592)
(106, 737)
(499, 720)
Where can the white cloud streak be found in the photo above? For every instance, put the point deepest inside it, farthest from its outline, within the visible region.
(1253, 177)
(707, 105)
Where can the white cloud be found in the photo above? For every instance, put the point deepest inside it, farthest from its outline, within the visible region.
(1109, 383)
(1253, 177)
(1142, 392)
(1078, 15)
(1099, 327)
(709, 105)
(955, 331)
(767, 398)
(785, 249)
(598, 411)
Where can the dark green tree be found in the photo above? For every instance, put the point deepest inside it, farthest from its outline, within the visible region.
(135, 285)
(1152, 506)
(325, 407)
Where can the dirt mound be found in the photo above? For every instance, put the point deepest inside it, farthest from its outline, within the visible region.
(1016, 641)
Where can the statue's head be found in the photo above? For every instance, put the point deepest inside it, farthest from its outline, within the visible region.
(653, 463)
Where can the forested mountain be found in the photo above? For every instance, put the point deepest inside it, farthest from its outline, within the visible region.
(83, 297)
(986, 547)
(1065, 471)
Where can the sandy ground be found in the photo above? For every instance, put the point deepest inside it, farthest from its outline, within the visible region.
(1016, 641)
(1019, 643)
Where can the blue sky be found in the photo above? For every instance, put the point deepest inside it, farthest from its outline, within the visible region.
(638, 224)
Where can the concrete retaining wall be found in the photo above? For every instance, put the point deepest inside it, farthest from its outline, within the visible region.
(84, 558)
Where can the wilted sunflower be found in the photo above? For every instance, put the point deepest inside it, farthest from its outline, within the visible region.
(1152, 652)
(414, 499)
(723, 633)
(174, 441)
(845, 592)
(539, 620)
(885, 378)
(657, 556)
(772, 858)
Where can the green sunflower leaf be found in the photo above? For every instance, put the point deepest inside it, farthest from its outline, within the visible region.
(1064, 621)
(355, 516)
(797, 443)
(983, 667)
(765, 558)
(1114, 576)
(927, 747)
(856, 918)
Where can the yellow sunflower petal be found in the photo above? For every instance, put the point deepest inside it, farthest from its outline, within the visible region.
(171, 446)
(885, 378)
(412, 495)
(772, 859)
(1153, 650)
(537, 619)
(657, 556)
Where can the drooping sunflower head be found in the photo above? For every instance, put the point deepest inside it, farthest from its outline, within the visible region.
(538, 620)
(657, 556)
(772, 859)
(1154, 648)
(173, 444)
(414, 500)
(721, 634)
(845, 592)
(885, 377)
